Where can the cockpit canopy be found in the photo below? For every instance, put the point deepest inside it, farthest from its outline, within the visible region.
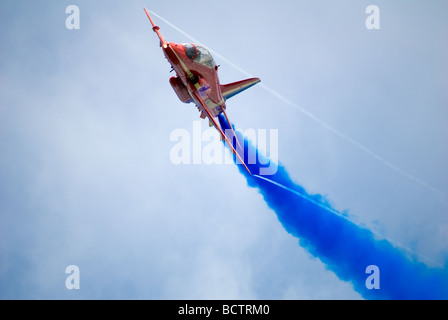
(199, 54)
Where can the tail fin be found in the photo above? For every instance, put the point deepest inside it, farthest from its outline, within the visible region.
(231, 89)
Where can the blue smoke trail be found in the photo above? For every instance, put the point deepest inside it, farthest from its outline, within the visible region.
(344, 247)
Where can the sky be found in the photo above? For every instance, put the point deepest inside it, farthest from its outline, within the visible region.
(87, 177)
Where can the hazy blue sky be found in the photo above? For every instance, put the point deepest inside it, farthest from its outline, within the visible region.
(86, 117)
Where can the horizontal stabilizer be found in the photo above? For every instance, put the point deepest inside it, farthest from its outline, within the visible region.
(231, 89)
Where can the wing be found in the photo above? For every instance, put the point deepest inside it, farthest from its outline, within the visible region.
(231, 89)
(217, 126)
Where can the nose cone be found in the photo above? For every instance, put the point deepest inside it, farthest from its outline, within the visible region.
(177, 47)
(173, 52)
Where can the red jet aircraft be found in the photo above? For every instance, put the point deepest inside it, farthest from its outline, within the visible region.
(197, 81)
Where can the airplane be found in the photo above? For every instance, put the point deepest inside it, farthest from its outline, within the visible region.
(197, 81)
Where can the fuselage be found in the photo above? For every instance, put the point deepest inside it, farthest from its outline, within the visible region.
(197, 70)
(197, 81)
